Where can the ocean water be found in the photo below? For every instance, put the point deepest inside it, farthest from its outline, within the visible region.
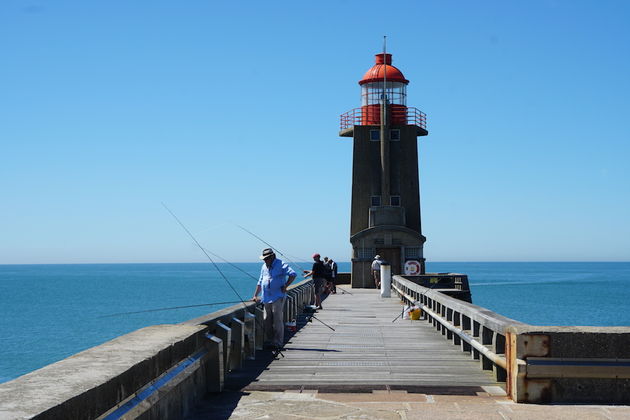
(49, 312)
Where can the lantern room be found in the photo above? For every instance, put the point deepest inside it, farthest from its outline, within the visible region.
(383, 82)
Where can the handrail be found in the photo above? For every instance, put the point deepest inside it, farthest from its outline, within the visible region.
(412, 116)
(498, 360)
(537, 363)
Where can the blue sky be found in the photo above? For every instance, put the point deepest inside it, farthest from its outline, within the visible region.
(228, 112)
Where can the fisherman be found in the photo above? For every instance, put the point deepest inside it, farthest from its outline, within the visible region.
(319, 278)
(333, 274)
(275, 277)
(376, 271)
(328, 276)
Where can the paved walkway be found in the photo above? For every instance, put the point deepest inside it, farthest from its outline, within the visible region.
(396, 405)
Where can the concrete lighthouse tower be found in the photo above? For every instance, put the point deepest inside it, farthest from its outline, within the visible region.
(385, 216)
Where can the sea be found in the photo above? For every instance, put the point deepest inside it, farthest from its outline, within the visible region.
(49, 312)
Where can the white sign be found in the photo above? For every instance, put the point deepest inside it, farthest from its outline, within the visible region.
(412, 268)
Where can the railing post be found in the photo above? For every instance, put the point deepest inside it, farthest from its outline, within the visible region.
(487, 337)
(214, 364)
(238, 338)
(498, 347)
(249, 344)
(225, 334)
(449, 318)
(474, 354)
(466, 328)
(260, 327)
(437, 309)
(457, 322)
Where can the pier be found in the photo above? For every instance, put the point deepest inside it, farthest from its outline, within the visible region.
(456, 353)
(369, 351)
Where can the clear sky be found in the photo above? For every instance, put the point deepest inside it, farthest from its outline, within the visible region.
(228, 112)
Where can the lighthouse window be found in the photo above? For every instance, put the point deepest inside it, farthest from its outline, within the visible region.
(376, 200)
(365, 253)
(375, 135)
(412, 252)
(394, 200)
(394, 135)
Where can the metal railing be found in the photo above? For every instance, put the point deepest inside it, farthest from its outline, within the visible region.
(412, 116)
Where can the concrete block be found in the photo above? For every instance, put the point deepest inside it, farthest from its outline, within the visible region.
(238, 341)
(91, 382)
(260, 327)
(224, 333)
(214, 364)
(249, 343)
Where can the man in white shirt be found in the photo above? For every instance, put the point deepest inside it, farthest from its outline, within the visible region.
(376, 271)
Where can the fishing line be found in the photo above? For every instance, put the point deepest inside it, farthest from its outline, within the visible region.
(233, 265)
(206, 254)
(212, 261)
(284, 255)
(171, 308)
(273, 247)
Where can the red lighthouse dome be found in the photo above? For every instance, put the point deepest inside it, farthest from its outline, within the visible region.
(383, 69)
(383, 85)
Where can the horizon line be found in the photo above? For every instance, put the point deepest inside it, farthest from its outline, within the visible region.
(307, 261)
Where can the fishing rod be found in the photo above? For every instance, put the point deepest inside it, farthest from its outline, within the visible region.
(206, 254)
(233, 265)
(273, 247)
(343, 290)
(422, 294)
(212, 261)
(284, 255)
(312, 316)
(170, 308)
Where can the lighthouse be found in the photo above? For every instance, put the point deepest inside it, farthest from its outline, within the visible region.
(385, 209)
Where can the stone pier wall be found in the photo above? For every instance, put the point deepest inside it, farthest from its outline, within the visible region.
(157, 372)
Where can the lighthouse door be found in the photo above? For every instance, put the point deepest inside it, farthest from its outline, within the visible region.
(392, 256)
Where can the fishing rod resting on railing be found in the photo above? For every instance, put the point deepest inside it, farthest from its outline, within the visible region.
(422, 294)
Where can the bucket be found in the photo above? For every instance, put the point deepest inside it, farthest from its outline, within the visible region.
(415, 314)
(292, 326)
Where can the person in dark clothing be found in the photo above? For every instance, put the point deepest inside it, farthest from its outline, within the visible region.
(328, 276)
(318, 273)
(333, 275)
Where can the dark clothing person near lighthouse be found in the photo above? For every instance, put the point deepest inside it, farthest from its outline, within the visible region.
(319, 278)
(275, 277)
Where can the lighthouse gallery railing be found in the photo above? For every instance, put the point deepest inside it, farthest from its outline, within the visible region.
(412, 116)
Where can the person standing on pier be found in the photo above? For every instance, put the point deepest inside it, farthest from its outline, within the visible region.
(275, 277)
(376, 271)
(333, 275)
(319, 278)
